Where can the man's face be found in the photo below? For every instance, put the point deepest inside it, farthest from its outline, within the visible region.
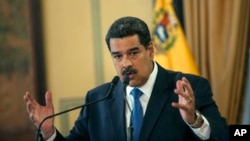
(127, 53)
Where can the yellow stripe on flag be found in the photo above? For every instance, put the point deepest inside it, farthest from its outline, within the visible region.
(172, 50)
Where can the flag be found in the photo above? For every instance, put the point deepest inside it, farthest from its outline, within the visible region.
(171, 48)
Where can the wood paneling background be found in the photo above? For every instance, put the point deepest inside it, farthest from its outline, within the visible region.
(17, 69)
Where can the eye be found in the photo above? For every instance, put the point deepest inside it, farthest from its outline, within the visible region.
(133, 53)
(117, 56)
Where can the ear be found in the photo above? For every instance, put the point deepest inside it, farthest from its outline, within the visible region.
(151, 50)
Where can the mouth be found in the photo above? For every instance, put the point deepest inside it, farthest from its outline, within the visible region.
(129, 72)
(130, 75)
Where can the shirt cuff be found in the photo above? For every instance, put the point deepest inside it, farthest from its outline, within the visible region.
(53, 136)
(204, 131)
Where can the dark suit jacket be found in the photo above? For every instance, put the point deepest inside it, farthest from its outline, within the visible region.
(105, 121)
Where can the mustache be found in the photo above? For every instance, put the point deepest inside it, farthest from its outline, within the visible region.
(128, 70)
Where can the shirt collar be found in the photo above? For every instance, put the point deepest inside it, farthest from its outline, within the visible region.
(148, 86)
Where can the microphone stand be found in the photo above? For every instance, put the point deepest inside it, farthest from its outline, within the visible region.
(38, 132)
(125, 83)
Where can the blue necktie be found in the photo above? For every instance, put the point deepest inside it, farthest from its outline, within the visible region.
(137, 114)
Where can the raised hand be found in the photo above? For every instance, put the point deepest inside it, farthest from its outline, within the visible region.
(186, 102)
(38, 112)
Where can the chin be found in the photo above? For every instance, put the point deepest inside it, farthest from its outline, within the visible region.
(131, 83)
(134, 84)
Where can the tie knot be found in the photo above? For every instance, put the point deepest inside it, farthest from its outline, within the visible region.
(136, 93)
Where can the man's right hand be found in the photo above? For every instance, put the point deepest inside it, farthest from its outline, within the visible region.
(38, 112)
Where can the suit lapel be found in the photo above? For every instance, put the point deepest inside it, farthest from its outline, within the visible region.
(158, 99)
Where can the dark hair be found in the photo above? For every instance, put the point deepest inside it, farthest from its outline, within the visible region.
(128, 26)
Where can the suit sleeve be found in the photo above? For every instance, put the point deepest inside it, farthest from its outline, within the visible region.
(59, 136)
(79, 131)
(208, 108)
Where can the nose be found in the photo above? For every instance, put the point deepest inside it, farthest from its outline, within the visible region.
(126, 62)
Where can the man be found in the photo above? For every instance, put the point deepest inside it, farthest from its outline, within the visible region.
(175, 106)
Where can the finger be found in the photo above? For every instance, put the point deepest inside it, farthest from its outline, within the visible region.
(179, 85)
(183, 97)
(179, 88)
(29, 107)
(26, 96)
(48, 98)
(186, 85)
(179, 106)
(28, 101)
(184, 89)
(189, 91)
(33, 118)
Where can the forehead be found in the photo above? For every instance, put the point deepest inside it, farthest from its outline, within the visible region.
(125, 43)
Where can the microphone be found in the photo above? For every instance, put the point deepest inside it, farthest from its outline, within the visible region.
(126, 80)
(125, 84)
(114, 81)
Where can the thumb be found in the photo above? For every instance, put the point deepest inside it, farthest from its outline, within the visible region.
(48, 100)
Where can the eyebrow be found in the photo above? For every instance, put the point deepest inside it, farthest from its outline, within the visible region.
(132, 49)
